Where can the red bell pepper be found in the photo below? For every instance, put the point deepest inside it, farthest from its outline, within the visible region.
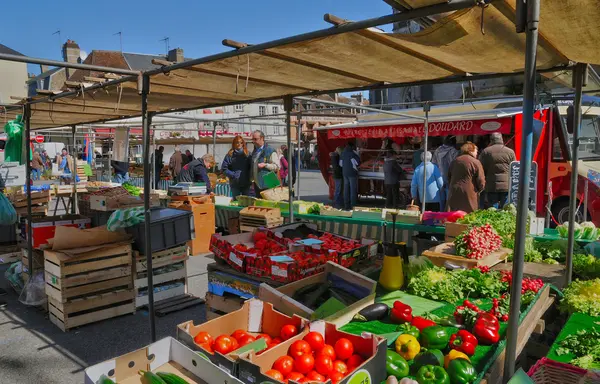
(486, 328)
(464, 341)
(421, 322)
(401, 313)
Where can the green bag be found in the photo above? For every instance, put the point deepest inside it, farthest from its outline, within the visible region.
(124, 218)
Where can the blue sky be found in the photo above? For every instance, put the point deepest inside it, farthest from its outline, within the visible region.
(196, 26)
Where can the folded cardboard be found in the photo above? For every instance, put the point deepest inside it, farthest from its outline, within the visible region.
(254, 317)
(45, 227)
(372, 348)
(166, 355)
(359, 285)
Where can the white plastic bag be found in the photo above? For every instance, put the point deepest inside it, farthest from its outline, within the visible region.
(34, 293)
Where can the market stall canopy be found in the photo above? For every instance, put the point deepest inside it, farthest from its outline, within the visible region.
(453, 47)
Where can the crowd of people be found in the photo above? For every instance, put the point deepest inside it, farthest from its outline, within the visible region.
(451, 178)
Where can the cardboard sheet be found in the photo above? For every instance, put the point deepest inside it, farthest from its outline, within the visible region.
(70, 238)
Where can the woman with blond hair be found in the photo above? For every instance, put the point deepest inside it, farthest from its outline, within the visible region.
(237, 166)
(467, 180)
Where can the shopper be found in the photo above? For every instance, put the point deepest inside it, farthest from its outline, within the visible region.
(187, 157)
(237, 166)
(158, 165)
(443, 157)
(176, 162)
(338, 178)
(433, 184)
(196, 171)
(121, 169)
(65, 164)
(391, 179)
(417, 155)
(46, 160)
(467, 180)
(37, 165)
(264, 161)
(496, 159)
(284, 166)
(350, 163)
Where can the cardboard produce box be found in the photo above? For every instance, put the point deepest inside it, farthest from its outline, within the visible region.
(254, 317)
(362, 287)
(166, 355)
(226, 248)
(370, 347)
(43, 228)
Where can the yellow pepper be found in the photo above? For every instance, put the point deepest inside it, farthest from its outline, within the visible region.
(454, 354)
(407, 346)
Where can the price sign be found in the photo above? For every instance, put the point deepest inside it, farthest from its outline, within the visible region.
(513, 184)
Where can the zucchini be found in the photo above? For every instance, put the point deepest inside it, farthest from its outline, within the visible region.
(171, 378)
(372, 312)
(104, 380)
(298, 295)
(311, 299)
(151, 378)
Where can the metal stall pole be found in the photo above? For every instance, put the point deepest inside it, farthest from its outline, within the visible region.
(299, 130)
(146, 121)
(533, 17)
(215, 146)
(74, 204)
(288, 102)
(27, 117)
(579, 78)
(426, 109)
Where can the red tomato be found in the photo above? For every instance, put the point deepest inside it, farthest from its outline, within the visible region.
(208, 348)
(327, 350)
(246, 340)
(236, 344)
(353, 362)
(223, 344)
(343, 349)
(238, 334)
(267, 338)
(203, 338)
(335, 377)
(340, 366)
(315, 340)
(315, 376)
(295, 376)
(304, 363)
(288, 331)
(323, 365)
(284, 364)
(299, 348)
(274, 374)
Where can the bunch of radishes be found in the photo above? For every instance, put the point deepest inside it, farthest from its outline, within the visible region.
(528, 284)
(477, 242)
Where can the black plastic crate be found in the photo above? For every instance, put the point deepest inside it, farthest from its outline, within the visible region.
(8, 234)
(168, 228)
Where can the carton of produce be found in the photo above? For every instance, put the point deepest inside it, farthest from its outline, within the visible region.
(324, 355)
(241, 251)
(164, 358)
(352, 290)
(256, 326)
(292, 266)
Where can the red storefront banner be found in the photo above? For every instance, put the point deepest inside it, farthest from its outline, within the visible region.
(439, 128)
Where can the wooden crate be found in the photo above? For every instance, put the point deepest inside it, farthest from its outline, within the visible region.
(38, 258)
(445, 252)
(249, 224)
(454, 229)
(261, 212)
(10, 254)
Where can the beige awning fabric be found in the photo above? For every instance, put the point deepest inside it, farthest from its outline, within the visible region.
(454, 46)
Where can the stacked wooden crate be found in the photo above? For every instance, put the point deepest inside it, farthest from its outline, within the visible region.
(90, 287)
(255, 217)
(39, 202)
(83, 178)
(169, 274)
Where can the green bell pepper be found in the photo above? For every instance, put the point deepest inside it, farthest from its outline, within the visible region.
(396, 365)
(436, 337)
(407, 329)
(429, 357)
(432, 374)
(461, 371)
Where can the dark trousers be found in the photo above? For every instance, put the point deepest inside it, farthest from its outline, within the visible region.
(350, 192)
(338, 193)
(157, 178)
(257, 191)
(236, 191)
(432, 207)
(491, 199)
(392, 195)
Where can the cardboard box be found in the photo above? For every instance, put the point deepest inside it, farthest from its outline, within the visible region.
(371, 347)
(43, 228)
(360, 286)
(454, 229)
(254, 317)
(166, 355)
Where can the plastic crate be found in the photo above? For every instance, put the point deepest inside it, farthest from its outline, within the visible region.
(425, 242)
(168, 228)
(8, 234)
(547, 371)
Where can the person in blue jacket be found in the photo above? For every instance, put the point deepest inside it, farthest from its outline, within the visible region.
(237, 166)
(350, 163)
(433, 186)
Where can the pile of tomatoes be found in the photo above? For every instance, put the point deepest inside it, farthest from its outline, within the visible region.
(310, 359)
(225, 344)
(335, 243)
(263, 246)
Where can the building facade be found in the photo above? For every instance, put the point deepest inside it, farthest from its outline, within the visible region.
(13, 77)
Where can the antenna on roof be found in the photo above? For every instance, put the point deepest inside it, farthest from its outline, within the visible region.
(120, 38)
(166, 40)
(59, 39)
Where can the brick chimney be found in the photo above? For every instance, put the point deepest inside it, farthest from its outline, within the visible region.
(71, 52)
(175, 55)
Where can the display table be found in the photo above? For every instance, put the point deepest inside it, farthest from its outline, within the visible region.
(551, 234)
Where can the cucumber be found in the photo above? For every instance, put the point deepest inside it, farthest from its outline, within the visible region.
(104, 380)
(151, 378)
(171, 378)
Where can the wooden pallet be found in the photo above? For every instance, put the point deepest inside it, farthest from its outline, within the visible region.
(225, 304)
(175, 304)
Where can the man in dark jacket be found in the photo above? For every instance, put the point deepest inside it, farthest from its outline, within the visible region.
(338, 177)
(496, 159)
(196, 171)
(391, 175)
(264, 161)
(350, 163)
(158, 165)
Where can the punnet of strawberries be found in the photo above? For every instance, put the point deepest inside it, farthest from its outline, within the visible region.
(263, 246)
(477, 242)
